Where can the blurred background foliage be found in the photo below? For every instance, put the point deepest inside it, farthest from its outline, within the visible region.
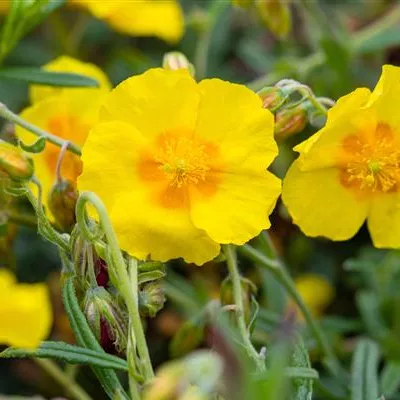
(333, 47)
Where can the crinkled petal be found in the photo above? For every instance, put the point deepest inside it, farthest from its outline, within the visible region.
(155, 102)
(320, 205)
(232, 116)
(147, 230)
(109, 158)
(385, 97)
(384, 220)
(239, 209)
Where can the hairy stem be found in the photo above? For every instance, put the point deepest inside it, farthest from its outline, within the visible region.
(231, 261)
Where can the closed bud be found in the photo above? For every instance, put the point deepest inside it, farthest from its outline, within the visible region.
(290, 121)
(248, 290)
(243, 3)
(62, 200)
(276, 16)
(175, 60)
(151, 299)
(14, 163)
(272, 97)
(102, 310)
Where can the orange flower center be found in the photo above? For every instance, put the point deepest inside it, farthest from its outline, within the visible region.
(180, 167)
(370, 162)
(69, 128)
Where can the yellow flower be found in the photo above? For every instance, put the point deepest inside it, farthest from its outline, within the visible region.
(349, 171)
(4, 5)
(161, 18)
(69, 116)
(181, 166)
(25, 312)
(316, 291)
(70, 65)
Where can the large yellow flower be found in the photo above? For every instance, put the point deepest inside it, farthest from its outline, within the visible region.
(349, 171)
(70, 65)
(181, 166)
(25, 312)
(161, 18)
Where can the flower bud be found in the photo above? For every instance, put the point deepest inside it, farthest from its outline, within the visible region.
(151, 299)
(62, 200)
(272, 97)
(290, 121)
(14, 163)
(276, 16)
(103, 311)
(243, 3)
(175, 60)
(248, 290)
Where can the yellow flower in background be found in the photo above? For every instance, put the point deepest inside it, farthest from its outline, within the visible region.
(70, 65)
(25, 312)
(4, 5)
(160, 18)
(316, 291)
(349, 171)
(182, 166)
(69, 116)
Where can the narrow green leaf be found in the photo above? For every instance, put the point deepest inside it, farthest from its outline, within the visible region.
(86, 338)
(37, 147)
(68, 353)
(42, 77)
(390, 379)
(303, 374)
(364, 371)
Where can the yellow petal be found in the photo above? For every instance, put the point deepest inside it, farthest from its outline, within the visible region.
(239, 209)
(155, 102)
(70, 65)
(320, 205)
(147, 230)
(163, 19)
(25, 314)
(384, 220)
(109, 157)
(232, 116)
(385, 97)
(345, 106)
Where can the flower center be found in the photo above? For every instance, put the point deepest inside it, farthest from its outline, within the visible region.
(371, 161)
(183, 161)
(176, 166)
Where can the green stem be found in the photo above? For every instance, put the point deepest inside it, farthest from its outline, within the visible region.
(10, 116)
(231, 261)
(123, 279)
(205, 38)
(74, 390)
(279, 271)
